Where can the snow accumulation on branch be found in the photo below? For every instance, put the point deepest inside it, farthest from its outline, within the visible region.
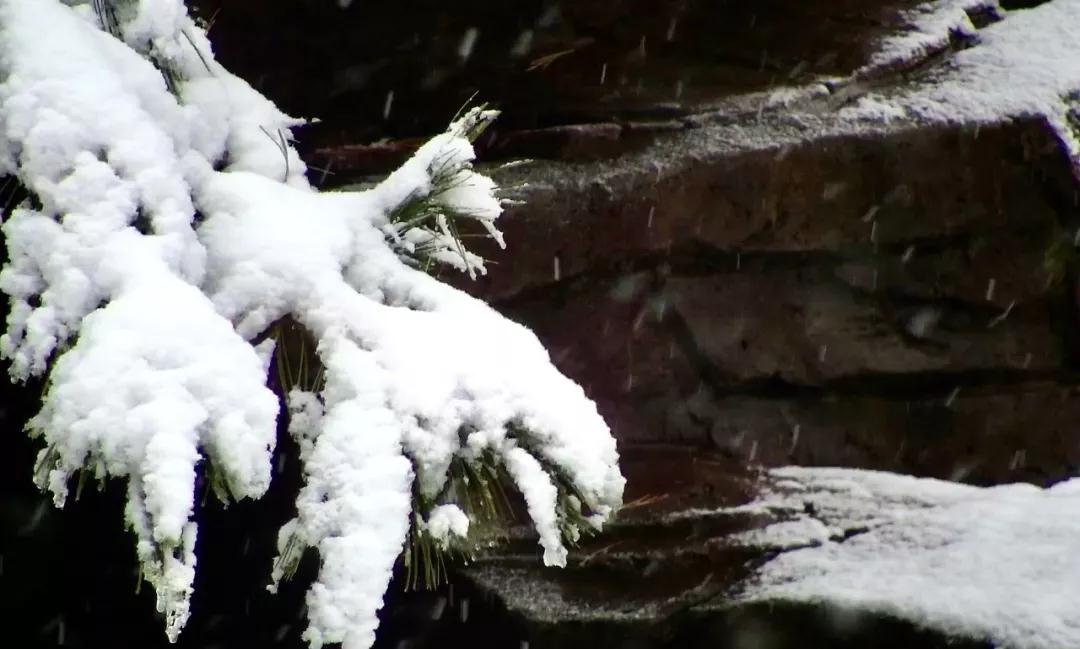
(1025, 64)
(1000, 564)
(170, 226)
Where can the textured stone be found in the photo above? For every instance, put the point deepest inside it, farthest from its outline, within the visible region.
(545, 63)
(819, 185)
(681, 566)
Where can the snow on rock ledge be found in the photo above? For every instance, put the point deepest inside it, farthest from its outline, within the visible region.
(1001, 563)
(1027, 63)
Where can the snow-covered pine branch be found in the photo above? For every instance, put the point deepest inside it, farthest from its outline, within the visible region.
(170, 225)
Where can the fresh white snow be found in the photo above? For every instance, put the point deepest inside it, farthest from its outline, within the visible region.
(1000, 563)
(928, 29)
(1026, 64)
(173, 225)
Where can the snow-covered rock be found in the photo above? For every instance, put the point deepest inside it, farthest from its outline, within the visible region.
(1000, 564)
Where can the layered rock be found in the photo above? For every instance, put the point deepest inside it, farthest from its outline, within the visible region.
(822, 235)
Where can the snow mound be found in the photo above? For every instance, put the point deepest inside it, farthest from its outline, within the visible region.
(1001, 563)
(1026, 64)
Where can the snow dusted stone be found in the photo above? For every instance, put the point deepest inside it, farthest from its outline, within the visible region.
(741, 333)
(995, 564)
(891, 187)
(817, 557)
(848, 165)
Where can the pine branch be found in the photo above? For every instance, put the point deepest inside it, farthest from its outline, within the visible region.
(425, 229)
(147, 282)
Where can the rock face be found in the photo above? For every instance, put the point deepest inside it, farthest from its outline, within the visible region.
(548, 64)
(721, 256)
(829, 302)
(747, 256)
(656, 580)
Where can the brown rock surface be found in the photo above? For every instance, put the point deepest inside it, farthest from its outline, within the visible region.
(740, 274)
(661, 575)
(546, 63)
